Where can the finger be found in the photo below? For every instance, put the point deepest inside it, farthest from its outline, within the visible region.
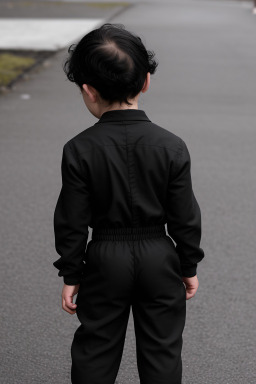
(190, 293)
(65, 306)
(69, 302)
(67, 309)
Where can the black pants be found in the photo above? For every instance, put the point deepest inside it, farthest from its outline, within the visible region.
(138, 268)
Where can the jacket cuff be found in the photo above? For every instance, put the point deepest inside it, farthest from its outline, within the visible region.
(72, 279)
(189, 270)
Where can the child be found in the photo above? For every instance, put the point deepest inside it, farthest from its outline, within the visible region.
(125, 177)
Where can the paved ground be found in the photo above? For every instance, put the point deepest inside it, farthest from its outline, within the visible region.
(204, 91)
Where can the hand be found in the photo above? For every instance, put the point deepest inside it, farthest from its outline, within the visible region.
(191, 284)
(68, 292)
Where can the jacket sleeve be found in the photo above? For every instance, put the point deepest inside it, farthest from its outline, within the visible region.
(71, 218)
(183, 213)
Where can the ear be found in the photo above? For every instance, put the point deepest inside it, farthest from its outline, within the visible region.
(91, 92)
(146, 83)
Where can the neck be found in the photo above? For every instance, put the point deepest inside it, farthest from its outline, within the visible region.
(115, 106)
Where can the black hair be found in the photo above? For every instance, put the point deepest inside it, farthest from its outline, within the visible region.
(112, 60)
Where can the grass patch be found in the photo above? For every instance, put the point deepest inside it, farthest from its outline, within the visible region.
(11, 66)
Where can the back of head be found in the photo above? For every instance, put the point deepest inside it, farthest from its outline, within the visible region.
(112, 60)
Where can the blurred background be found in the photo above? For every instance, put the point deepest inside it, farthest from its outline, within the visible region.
(204, 90)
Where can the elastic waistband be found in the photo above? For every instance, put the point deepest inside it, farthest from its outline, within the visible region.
(128, 233)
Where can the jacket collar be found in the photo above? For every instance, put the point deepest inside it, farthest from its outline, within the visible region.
(123, 114)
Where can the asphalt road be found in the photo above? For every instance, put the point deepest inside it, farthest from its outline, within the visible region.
(204, 91)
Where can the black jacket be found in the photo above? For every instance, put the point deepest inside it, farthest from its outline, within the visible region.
(125, 171)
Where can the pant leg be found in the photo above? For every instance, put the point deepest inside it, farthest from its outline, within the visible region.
(103, 307)
(159, 311)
